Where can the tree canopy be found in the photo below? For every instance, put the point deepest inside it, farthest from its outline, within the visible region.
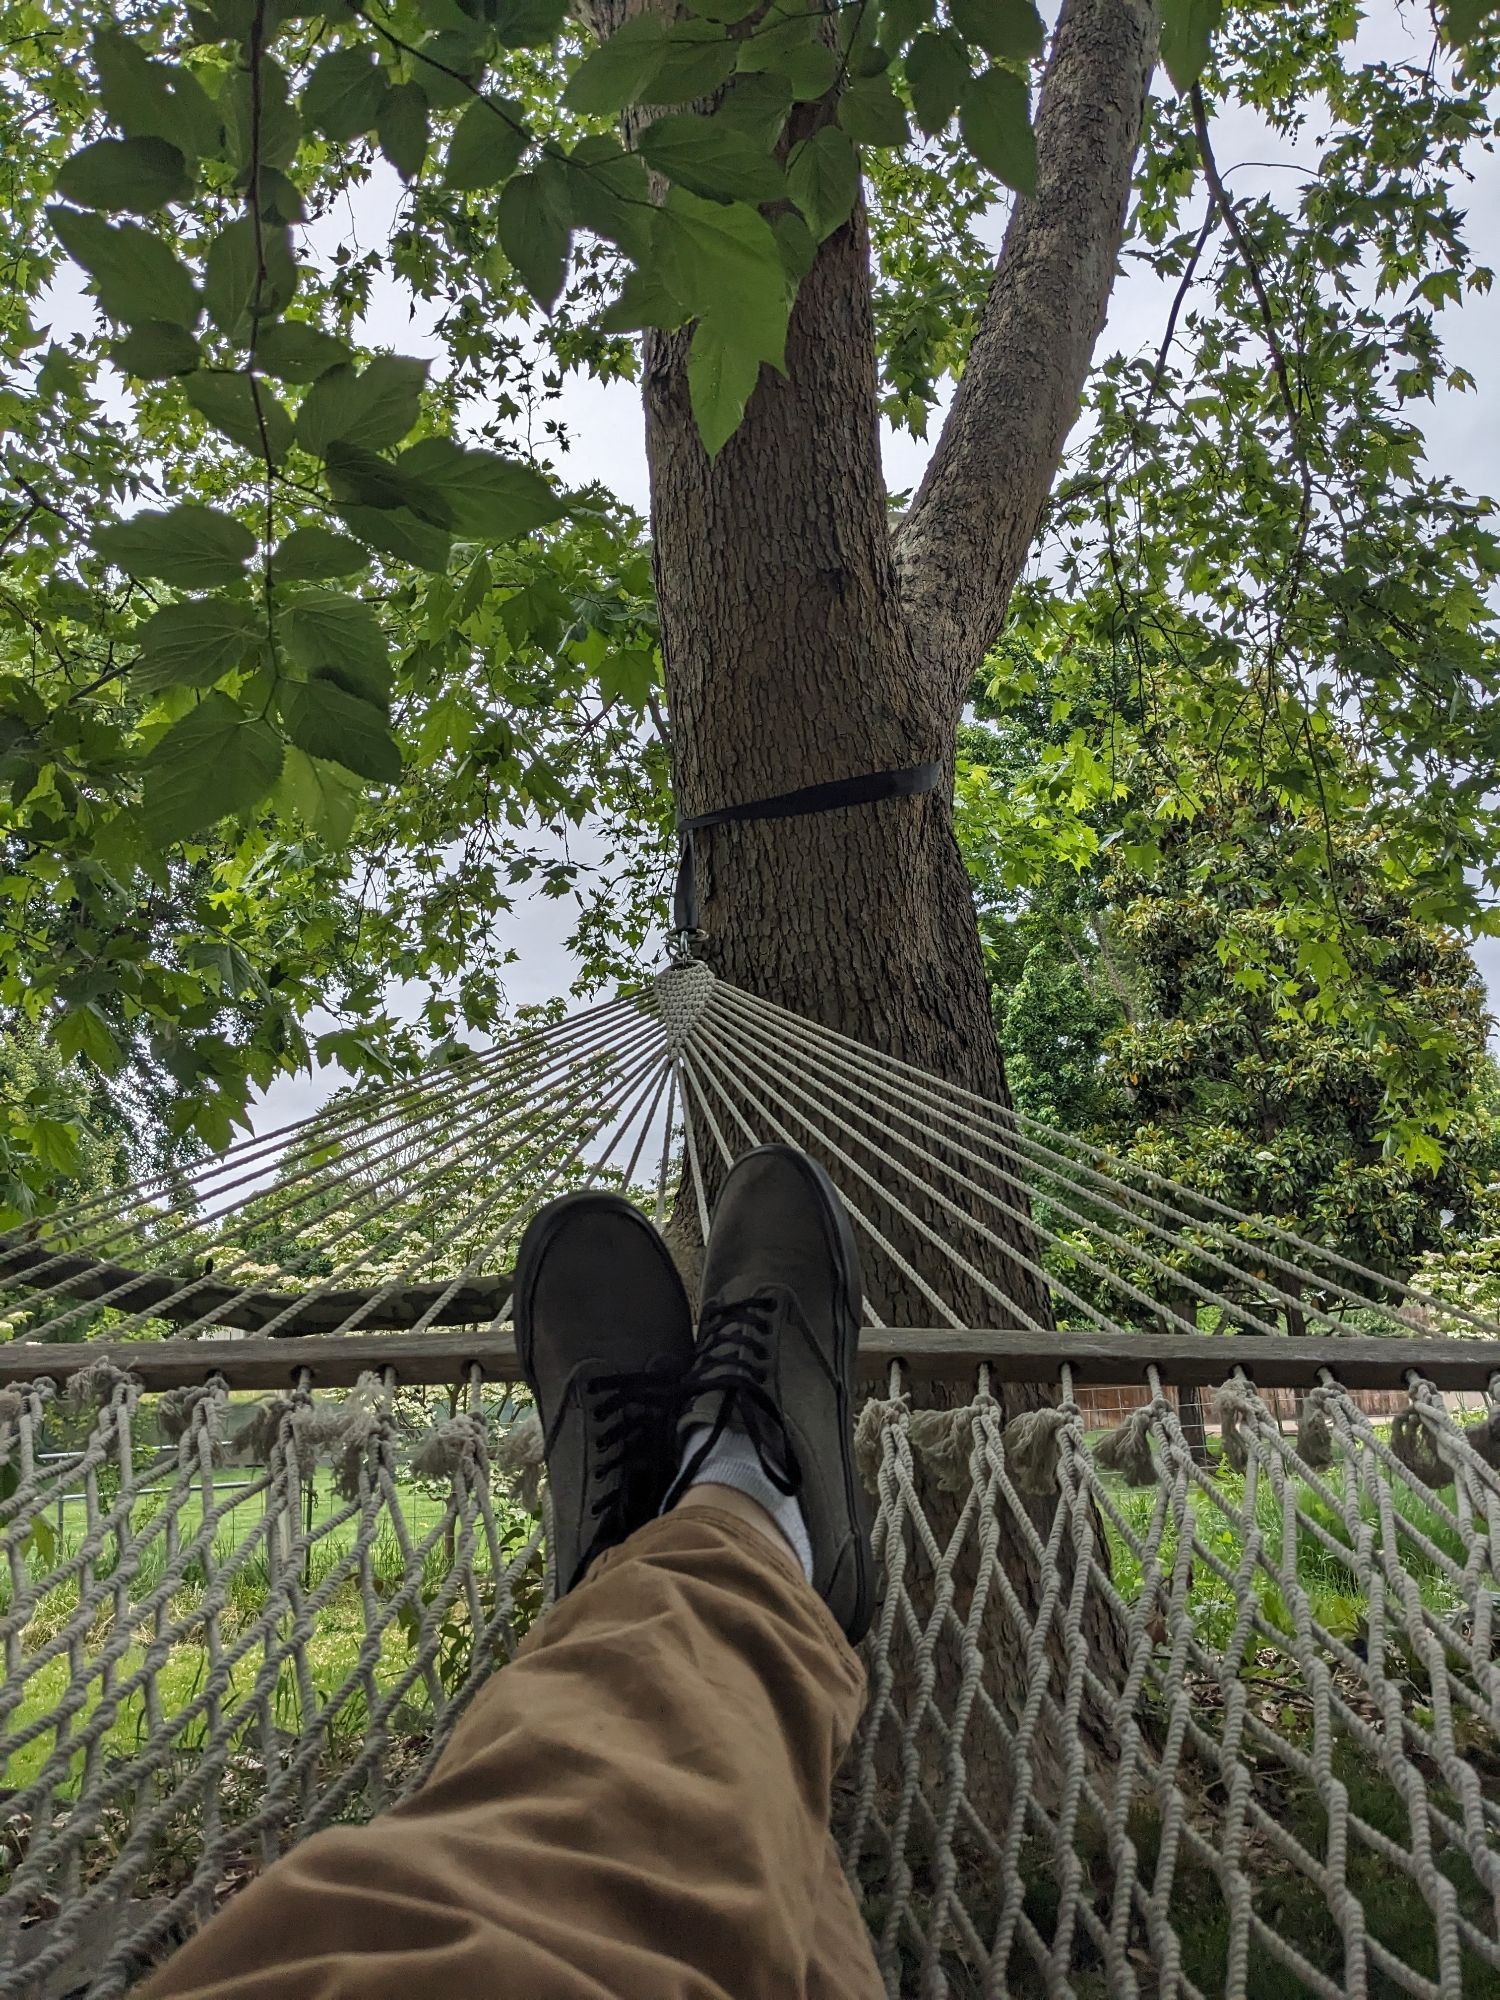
(310, 657)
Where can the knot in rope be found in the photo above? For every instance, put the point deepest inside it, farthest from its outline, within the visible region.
(177, 1412)
(342, 1432)
(682, 993)
(12, 1403)
(520, 1460)
(944, 1441)
(1127, 1449)
(1414, 1446)
(1314, 1432)
(457, 1444)
(99, 1381)
(1238, 1409)
(1032, 1443)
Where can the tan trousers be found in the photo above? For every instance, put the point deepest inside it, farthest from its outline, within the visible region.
(636, 1808)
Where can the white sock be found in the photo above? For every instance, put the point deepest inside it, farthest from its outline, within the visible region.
(733, 1462)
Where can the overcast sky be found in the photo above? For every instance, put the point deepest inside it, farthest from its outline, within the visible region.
(605, 424)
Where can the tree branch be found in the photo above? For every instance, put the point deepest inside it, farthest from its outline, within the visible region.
(966, 535)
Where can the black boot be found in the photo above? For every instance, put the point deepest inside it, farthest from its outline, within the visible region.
(778, 1340)
(604, 1334)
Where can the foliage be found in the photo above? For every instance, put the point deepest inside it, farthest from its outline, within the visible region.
(307, 671)
(1154, 1001)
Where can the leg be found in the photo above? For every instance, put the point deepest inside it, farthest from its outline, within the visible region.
(635, 1809)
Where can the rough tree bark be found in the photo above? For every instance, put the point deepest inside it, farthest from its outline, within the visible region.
(803, 644)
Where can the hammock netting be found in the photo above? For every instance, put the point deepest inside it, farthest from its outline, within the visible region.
(1208, 1705)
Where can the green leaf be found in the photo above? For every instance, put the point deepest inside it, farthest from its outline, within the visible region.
(535, 234)
(135, 174)
(611, 76)
(248, 271)
(1187, 30)
(644, 301)
(215, 763)
(401, 128)
(152, 100)
(454, 51)
(334, 637)
(360, 478)
(135, 275)
(712, 158)
(822, 178)
(757, 105)
(798, 247)
(294, 351)
(486, 145)
(493, 499)
(279, 200)
(1009, 30)
(189, 547)
(322, 795)
(83, 1031)
(375, 406)
(608, 192)
(261, 126)
(196, 643)
(325, 720)
(694, 59)
(246, 411)
(937, 69)
(871, 112)
(308, 555)
(343, 96)
(526, 24)
(721, 378)
(994, 120)
(810, 71)
(397, 531)
(725, 263)
(155, 350)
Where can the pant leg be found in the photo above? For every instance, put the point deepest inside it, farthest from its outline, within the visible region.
(636, 1808)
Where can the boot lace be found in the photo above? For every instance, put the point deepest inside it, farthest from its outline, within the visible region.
(733, 1361)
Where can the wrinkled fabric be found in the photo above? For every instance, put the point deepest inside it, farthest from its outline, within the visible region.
(635, 1808)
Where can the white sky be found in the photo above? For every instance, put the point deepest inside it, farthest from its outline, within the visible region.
(606, 428)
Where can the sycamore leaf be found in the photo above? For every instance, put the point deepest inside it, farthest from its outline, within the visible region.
(196, 643)
(996, 126)
(526, 24)
(721, 378)
(1009, 30)
(724, 261)
(217, 762)
(135, 174)
(487, 144)
(136, 277)
(398, 532)
(189, 547)
(248, 269)
(322, 795)
(871, 112)
(937, 68)
(608, 192)
(333, 636)
(712, 158)
(493, 499)
(325, 720)
(402, 130)
(244, 409)
(83, 1031)
(343, 96)
(535, 234)
(309, 555)
(155, 350)
(375, 406)
(296, 352)
(152, 100)
(1187, 30)
(822, 178)
(611, 76)
(644, 301)
(261, 123)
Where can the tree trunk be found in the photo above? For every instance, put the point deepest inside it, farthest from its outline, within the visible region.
(798, 651)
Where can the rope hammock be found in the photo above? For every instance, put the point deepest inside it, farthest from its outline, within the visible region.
(1145, 1719)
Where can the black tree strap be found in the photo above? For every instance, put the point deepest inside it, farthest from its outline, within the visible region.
(861, 791)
